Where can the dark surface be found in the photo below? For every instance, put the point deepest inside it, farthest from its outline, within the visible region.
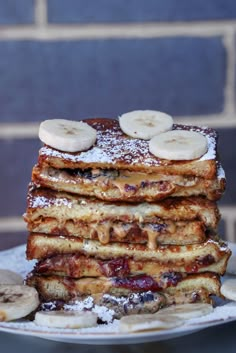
(213, 340)
(18, 158)
(16, 12)
(70, 79)
(9, 240)
(227, 155)
(86, 11)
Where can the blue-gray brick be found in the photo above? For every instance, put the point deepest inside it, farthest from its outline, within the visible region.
(77, 79)
(90, 11)
(16, 12)
(227, 154)
(9, 240)
(222, 229)
(17, 159)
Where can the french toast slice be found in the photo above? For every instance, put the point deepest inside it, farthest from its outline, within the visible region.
(115, 150)
(152, 234)
(129, 186)
(65, 288)
(41, 246)
(46, 204)
(77, 265)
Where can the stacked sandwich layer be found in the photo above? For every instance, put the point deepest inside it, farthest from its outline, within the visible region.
(131, 230)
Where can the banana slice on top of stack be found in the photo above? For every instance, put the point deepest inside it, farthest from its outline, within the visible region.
(164, 142)
(144, 124)
(77, 136)
(67, 135)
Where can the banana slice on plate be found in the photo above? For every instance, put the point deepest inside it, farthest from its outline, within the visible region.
(10, 277)
(228, 289)
(67, 135)
(66, 319)
(17, 301)
(149, 322)
(188, 311)
(178, 145)
(145, 124)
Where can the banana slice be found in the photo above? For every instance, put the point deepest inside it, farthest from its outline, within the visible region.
(149, 322)
(67, 135)
(178, 145)
(10, 277)
(66, 319)
(228, 289)
(145, 124)
(188, 311)
(17, 301)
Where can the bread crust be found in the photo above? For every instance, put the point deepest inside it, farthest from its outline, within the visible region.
(64, 288)
(115, 150)
(64, 206)
(77, 266)
(129, 186)
(41, 246)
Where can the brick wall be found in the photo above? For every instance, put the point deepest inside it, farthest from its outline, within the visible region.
(84, 58)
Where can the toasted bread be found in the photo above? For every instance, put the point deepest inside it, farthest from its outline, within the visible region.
(168, 232)
(64, 288)
(45, 203)
(40, 246)
(76, 266)
(129, 186)
(115, 150)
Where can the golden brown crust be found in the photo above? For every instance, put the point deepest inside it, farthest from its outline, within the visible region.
(168, 232)
(76, 266)
(63, 207)
(56, 287)
(112, 185)
(116, 150)
(41, 246)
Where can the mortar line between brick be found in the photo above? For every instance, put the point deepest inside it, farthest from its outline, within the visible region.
(30, 129)
(12, 224)
(230, 73)
(128, 30)
(228, 213)
(230, 230)
(40, 13)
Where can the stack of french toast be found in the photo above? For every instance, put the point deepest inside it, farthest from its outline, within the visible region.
(124, 211)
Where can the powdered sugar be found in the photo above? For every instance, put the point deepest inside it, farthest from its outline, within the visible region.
(104, 314)
(14, 259)
(113, 147)
(39, 201)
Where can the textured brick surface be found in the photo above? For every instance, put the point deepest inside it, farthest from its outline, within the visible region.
(17, 158)
(107, 77)
(87, 11)
(16, 12)
(222, 230)
(9, 240)
(227, 154)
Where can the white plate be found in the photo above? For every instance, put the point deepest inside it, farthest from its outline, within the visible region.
(14, 259)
